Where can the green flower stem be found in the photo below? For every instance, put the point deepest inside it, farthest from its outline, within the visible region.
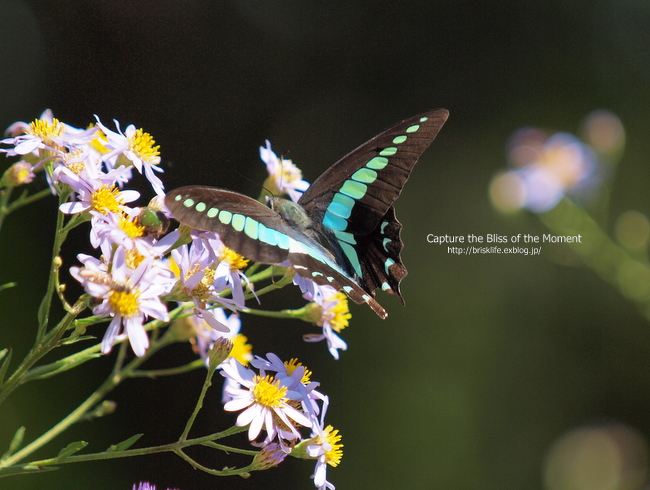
(5, 195)
(229, 449)
(160, 373)
(267, 273)
(199, 403)
(297, 313)
(28, 199)
(244, 472)
(118, 375)
(609, 260)
(287, 278)
(175, 447)
(64, 364)
(49, 342)
(74, 416)
(46, 303)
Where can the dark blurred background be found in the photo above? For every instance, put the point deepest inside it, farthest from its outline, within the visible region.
(499, 366)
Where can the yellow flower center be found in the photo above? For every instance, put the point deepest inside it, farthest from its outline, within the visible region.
(130, 228)
(235, 261)
(124, 302)
(106, 199)
(290, 173)
(268, 392)
(202, 289)
(133, 259)
(46, 130)
(23, 173)
(332, 456)
(98, 143)
(76, 167)
(241, 350)
(291, 366)
(142, 145)
(339, 313)
(173, 266)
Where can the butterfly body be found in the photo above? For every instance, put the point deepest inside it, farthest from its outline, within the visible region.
(342, 232)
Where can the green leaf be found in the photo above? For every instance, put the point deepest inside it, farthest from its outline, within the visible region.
(5, 358)
(8, 285)
(72, 340)
(16, 442)
(71, 448)
(62, 365)
(90, 320)
(28, 468)
(124, 445)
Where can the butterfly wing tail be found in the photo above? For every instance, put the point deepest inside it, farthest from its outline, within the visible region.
(381, 263)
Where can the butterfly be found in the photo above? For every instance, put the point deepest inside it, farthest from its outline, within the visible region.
(342, 232)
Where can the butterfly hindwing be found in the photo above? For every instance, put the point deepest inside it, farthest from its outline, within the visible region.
(381, 264)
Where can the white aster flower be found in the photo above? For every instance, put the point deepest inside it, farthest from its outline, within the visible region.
(225, 268)
(285, 176)
(324, 446)
(99, 193)
(137, 147)
(46, 133)
(128, 296)
(266, 403)
(196, 272)
(334, 313)
(297, 378)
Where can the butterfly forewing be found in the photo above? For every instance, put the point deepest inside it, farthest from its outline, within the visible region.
(355, 193)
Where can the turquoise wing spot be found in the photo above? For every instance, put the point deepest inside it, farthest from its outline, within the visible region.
(365, 175)
(386, 242)
(251, 228)
(212, 212)
(377, 163)
(225, 217)
(385, 286)
(388, 151)
(200, 207)
(413, 129)
(347, 289)
(352, 256)
(341, 205)
(334, 222)
(424, 118)
(365, 297)
(267, 235)
(398, 140)
(283, 241)
(178, 198)
(383, 226)
(316, 274)
(238, 222)
(188, 203)
(345, 237)
(354, 189)
(387, 264)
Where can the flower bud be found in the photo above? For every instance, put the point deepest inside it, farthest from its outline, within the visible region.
(271, 455)
(18, 174)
